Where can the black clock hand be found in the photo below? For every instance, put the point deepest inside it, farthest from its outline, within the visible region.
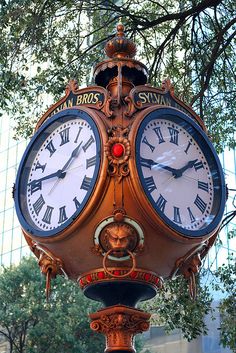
(74, 154)
(189, 165)
(59, 174)
(149, 163)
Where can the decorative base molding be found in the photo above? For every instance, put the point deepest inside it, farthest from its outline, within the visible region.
(116, 273)
(120, 324)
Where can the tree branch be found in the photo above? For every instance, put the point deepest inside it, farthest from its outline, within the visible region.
(161, 48)
(182, 14)
(207, 70)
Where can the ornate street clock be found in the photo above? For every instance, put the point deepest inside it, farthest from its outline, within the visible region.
(180, 172)
(119, 189)
(58, 173)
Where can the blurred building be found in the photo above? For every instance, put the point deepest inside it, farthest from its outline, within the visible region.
(12, 243)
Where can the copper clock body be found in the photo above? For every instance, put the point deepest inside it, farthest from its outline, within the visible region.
(118, 192)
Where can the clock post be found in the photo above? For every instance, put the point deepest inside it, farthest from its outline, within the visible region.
(119, 189)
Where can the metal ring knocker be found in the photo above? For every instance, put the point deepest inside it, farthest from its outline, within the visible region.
(115, 275)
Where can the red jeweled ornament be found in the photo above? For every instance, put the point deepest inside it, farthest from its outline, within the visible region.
(147, 276)
(101, 275)
(89, 278)
(117, 150)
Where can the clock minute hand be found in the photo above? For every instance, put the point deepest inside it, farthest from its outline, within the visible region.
(149, 163)
(166, 167)
(64, 170)
(74, 154)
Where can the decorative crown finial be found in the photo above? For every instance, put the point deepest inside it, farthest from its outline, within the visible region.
(120, 46)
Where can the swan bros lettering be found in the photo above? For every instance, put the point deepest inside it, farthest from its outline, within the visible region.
(93, 98)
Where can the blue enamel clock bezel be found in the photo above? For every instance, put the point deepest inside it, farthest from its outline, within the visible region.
(23, 171)
(210, 154)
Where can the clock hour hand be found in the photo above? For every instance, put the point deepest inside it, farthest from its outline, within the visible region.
(149, 163)
(74, 154)
(189, 165)
(59, 174)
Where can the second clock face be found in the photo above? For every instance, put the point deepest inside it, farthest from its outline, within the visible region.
(58, 172)
(180, 172)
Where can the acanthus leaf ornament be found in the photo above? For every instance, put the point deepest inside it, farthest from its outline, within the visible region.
(50, 265)
(189, 266)
(168, 86)
(189, 270)
(72, 86)
(119, 324)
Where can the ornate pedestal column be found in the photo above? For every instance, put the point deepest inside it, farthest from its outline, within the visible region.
(120, 324)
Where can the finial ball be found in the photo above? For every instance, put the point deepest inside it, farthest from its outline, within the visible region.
(120, 29)
(120, 46)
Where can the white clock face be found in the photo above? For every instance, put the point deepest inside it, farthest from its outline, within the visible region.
(178, 174)
(59, 172)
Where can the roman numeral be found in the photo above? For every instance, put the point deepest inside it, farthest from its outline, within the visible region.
(159, 134)
(174, 135)
(50, 147)
(152, 148)
(150, 184)
(187, 148)
(40, 166)
(200, 204)
(191, 216)
(35, 185)
(198, 165)
(177, 218)
(62, 215)
(76, 139)
(64, 136)
(86, 184)
(77, 203)
(48, 215)
(145, 162)
(91, 161)
(88, 143)
(203, 186)
(161, 203)
(38, 205)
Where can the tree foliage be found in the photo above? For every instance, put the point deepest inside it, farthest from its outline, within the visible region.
(32, 325)
(225, 283)
(173, 308)
(27, 321)
(45, 43)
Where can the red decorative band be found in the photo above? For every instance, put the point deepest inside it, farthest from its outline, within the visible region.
(138, 275)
